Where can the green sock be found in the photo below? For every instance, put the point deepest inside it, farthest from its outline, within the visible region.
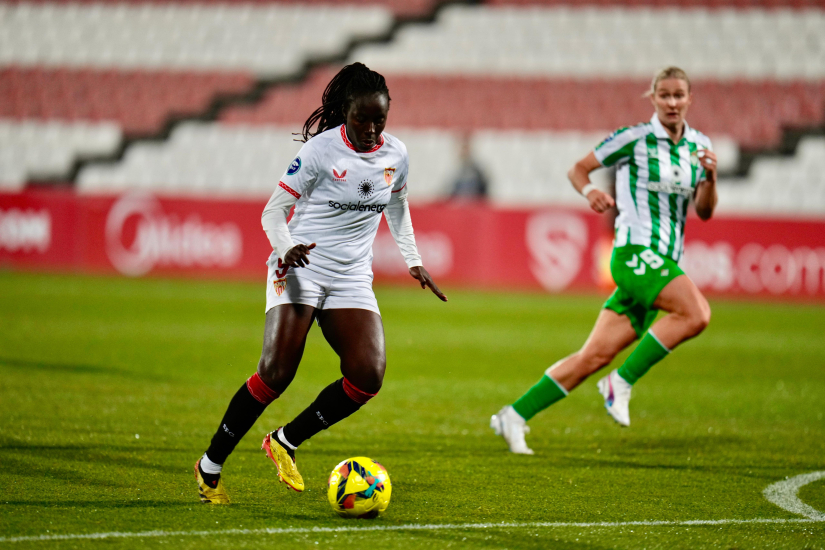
(649, 352)
(543, 394)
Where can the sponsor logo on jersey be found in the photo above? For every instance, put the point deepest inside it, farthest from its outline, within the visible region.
(357, 207)
(339, 177)
(388, 174)
(667, 187)
(295, 167)
(653, 151)
(365, 189)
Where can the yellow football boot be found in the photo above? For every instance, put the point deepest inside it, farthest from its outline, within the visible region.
(287, 470)
(210, 495)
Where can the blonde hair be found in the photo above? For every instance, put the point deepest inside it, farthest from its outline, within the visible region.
(664, 74)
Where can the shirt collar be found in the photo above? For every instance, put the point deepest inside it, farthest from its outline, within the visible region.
(347, 142)
(659, 130)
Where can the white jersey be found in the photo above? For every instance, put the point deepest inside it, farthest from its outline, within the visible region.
(341, 195)
(655, 180)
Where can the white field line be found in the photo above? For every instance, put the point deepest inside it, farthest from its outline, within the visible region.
(785, 494)
(408, 527)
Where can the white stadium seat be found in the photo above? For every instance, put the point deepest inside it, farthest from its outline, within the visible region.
(49, 148)
(780, 185)
(608, 42)
(269, 40)
(213, 159)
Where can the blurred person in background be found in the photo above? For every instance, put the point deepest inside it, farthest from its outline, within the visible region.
(661, 166)
(347, 173)
(470, 181)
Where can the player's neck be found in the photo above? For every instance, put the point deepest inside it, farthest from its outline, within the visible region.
(674, 131)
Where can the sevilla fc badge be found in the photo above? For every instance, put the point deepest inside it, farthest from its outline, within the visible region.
(388, 173)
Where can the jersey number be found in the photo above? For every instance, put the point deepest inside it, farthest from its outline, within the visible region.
(281, 273)
(649, 257)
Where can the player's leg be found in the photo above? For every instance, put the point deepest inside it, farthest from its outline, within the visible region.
(611, 334)
(357, 336)
(285, 333)
(688, 315)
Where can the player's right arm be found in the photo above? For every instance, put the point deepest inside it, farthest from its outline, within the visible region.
(298, 178)
(579, 176)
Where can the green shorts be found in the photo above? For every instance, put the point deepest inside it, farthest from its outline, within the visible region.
(640, 275)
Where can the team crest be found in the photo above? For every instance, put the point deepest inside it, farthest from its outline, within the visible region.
(280, 286)
(694, 158)
(388, 174)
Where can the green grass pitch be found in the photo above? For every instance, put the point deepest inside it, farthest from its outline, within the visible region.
(111, 388)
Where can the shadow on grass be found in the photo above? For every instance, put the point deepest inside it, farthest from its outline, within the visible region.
(101, 505)
(73, 368)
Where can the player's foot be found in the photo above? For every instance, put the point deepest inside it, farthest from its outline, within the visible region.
(512, 427)
(211, 492)
(284, 459)
(616, 392)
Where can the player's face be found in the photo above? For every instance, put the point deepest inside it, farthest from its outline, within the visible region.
(366, 118)
(671, 99)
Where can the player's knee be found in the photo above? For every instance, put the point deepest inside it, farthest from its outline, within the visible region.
(274, 373)
(361, 391)
(367, 374)
(594, 358)
(699, 318)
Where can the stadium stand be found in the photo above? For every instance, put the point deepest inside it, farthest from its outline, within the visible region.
(563, 104)
(533, 83)
(781, 185)
(139, 102)
(201, 158)
(31, 148)
(137, 64)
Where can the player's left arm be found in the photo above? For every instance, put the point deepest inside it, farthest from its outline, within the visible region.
(705, 196)
(400, 223)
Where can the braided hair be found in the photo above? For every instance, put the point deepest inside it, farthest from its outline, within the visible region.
(351, 82)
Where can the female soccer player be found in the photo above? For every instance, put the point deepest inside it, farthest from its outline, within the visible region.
(347, 173)
(661, 165)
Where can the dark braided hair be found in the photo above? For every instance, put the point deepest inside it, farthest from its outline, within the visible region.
(351, 82)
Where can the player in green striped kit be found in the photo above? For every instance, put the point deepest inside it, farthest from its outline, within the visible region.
(661, 166)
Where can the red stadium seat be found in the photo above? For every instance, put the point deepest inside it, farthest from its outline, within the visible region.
(752, 112)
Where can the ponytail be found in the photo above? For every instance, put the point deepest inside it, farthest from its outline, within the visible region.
(351, 82)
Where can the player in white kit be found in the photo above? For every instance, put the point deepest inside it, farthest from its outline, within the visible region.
(347, 174)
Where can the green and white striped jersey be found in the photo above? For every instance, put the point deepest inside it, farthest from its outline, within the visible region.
(655, 180)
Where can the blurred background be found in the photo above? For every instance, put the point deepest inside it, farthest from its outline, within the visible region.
(143, 137)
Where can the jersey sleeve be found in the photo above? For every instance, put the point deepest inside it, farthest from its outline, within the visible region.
(616, 147)
(302, 172)
(402, 172)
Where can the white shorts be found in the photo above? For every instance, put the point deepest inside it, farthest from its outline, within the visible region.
(302, 286)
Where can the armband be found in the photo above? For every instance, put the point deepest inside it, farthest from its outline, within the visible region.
(587, 189)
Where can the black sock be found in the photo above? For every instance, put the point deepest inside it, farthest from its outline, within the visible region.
(331, 406)
(209, 479)
(241, 414)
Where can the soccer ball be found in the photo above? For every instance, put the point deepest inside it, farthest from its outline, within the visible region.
(359, 488)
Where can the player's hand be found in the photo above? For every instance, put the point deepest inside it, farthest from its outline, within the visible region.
(708, 160)
(424, 279)
(298, 255)
(600, 201)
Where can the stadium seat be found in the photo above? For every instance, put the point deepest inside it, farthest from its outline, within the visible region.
(49, 148)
